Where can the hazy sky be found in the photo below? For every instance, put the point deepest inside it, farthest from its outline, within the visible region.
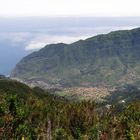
(69, 8)
(28, 25)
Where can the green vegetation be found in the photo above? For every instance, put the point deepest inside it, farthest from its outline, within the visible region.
(108, 60)
(33, 114)
(104, 60)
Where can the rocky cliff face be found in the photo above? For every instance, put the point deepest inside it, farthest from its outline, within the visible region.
(109, 60)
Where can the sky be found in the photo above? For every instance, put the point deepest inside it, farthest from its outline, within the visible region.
(69, 8)
(36, 32)
(29, 25)
(20, 36)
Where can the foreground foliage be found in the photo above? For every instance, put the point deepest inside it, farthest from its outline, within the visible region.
(40, 115)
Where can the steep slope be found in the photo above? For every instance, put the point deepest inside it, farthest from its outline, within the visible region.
(107, 60)
(33, 113)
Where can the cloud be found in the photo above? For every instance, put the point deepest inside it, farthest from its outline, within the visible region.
(71, 35)
(34, 40)
(35, 45)
(42, 40)
(15, 37)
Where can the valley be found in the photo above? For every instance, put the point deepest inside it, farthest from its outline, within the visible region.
(87, 90)
(69, 70)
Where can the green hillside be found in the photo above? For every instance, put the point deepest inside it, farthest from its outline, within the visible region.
(108, 60)
(33, 114)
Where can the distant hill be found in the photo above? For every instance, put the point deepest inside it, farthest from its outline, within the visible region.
(105, 60)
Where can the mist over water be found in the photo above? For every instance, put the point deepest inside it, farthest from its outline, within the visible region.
(23, 35)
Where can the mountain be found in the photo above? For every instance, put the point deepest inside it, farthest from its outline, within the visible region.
(111, 59)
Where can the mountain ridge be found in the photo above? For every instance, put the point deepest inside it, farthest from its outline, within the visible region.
(107, 59)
